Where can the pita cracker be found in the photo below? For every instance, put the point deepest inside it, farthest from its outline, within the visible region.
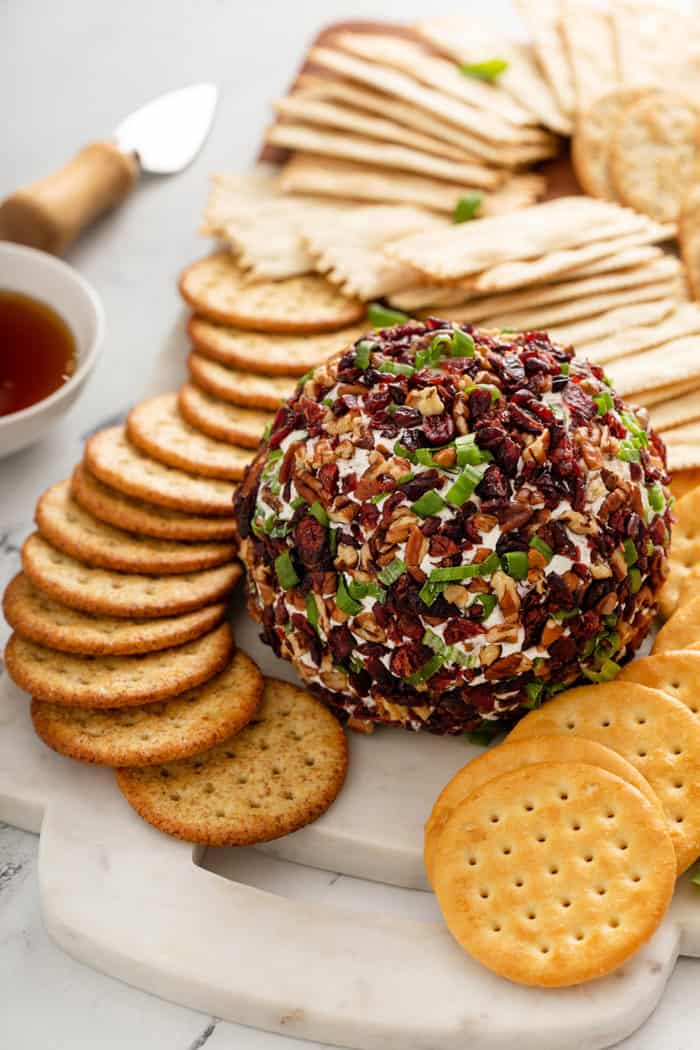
(350, 251)
(670, 414)
(591, 146)
(465, 39)
(689, 236)
(352, 147)
(413, 59)
(588, 39)
(674, 363)
(648, 398)
(582, 332)
(685, 320)
(542, 18)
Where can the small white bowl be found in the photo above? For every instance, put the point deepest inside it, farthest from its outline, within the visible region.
(53, 282)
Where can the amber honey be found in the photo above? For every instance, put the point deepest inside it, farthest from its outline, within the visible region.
(37, 351)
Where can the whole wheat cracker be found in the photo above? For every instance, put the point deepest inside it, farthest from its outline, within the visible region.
(684, 320)
(214, 286)
(279, 773)
(41, 619)
(581, 333)
(220, 419)
(158, 429)
(135, 515)
(588, 39)
(689, 236)
(70, 528)
(239, 386)
(165, 731)
(118, 594)
(554, 874)
(542, 20)
(116, 681)
(656, 733)
(112, 458)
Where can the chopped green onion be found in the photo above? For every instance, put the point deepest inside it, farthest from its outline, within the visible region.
(356, 664)
(405, 453)
(650, 549)
(564, 368)
(362, 353)
(469, 453)
(467, 206)
(656, 497)
(297, 502)
(429, 355)
(428, 593)
(328, 402)
(635, 580)
(482, 737)
(405, 478)
(488, 603)
(604, 402)
(379, 497)
(609, 670)
(306, 376)
(464, 486)
(426, 671)
(516, 564)
(333, 541)
(344, 600)
(493, 390)
(565, 614)
(544, 549)
(491, 69)
(390, 573)
(382, 317)
(610, 620)
(534, 692)
(396, 368)
(429, 503)
(434, 641)
(312, 610)
(319, 513)
(285, 571)
(628, 452)
(267, 431)
(454, 573)
(462, 344)
(630, 552)
(489, 565)
(359, 590)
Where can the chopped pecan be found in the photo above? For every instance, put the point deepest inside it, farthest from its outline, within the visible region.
(416, 547)
(367, 627)
(346, 557)
(506, 592)
(427, 401)
(508, 666)
(457, 595)
(489, 654)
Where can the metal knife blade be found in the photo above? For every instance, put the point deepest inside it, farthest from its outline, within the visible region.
(168, 132)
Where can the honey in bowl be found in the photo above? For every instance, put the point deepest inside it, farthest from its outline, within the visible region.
(37, 351)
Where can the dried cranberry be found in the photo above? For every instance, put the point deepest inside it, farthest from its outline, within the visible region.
(580, 404)
(426, 481)
(480, 404)
(341, 643)
(493, 486)
(407, 417)
(328, 476)
(439, 429)
(310, 540)
(459, 628)
(409, 658)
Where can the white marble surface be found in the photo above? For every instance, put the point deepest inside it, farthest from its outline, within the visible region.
(68, 73)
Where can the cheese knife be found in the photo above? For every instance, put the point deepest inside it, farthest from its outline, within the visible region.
(161, 138)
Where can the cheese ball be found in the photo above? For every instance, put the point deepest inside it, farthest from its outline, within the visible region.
(447, 525)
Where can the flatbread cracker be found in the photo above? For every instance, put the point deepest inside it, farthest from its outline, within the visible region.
(127, 595)
(134, 515)
(654, 156)
(689, 236)
(279, 773)
(165, 731)
(581, 333)
(683, 321)
(157, 428)
(554, 874)
(653, 731)
(672, 363)
(116, 681)
(41, 619)
(70, 528)
(112, 458)
(542, 19)
(238, 386)
(591, 146)
(220, 419)
(588, 40)
(214, 286)
(353, 147)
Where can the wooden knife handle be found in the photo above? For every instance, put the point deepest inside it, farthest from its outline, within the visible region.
(51, 213)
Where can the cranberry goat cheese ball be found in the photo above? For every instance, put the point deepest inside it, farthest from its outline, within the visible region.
(447, 525)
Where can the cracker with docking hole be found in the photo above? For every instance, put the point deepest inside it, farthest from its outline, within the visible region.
(541, 18)
(681, 630)
(135, 515)
(655, 153)
(675, 673)
(116, 681)
(554, 874)
(352, 147)
(158, 732)
(684, 320)
(588, 41)
(684, 481)
(516, 754)
(45, 621)
(238, 386)
(279, 773)
(684, 553)
(274, 355)
(581, 333)
(220, 419)
(112, 458)
(689, 236)
(65, 525)
(307, 173)
(653, 731)
(216, 287)
(157, 428)
(120, 594)
(591, 146)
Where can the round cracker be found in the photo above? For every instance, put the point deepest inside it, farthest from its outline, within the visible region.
(682, 631)
(115, 460)
(169, 729)
(684, 481)
(65, 524)
(516, 754)
(220, 419)
(238, 387)
(38, 617)
(281, 772)
(675, 673)
(119, 594)
(653, 731)
(591, 145)
(684, 554)
(157, 428)
(654, 153)
(217, 288)
(269, 354)
(554, 874)
(116, 681)
(146, 519)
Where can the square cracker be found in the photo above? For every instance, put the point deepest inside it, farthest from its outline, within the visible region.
(684, 457)
(670, 414)
(543, 21)
(685, 320)
(580, 333)
(689, 235)
(656, 395)
(676, 362)
(588, 38)
(650, 39)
